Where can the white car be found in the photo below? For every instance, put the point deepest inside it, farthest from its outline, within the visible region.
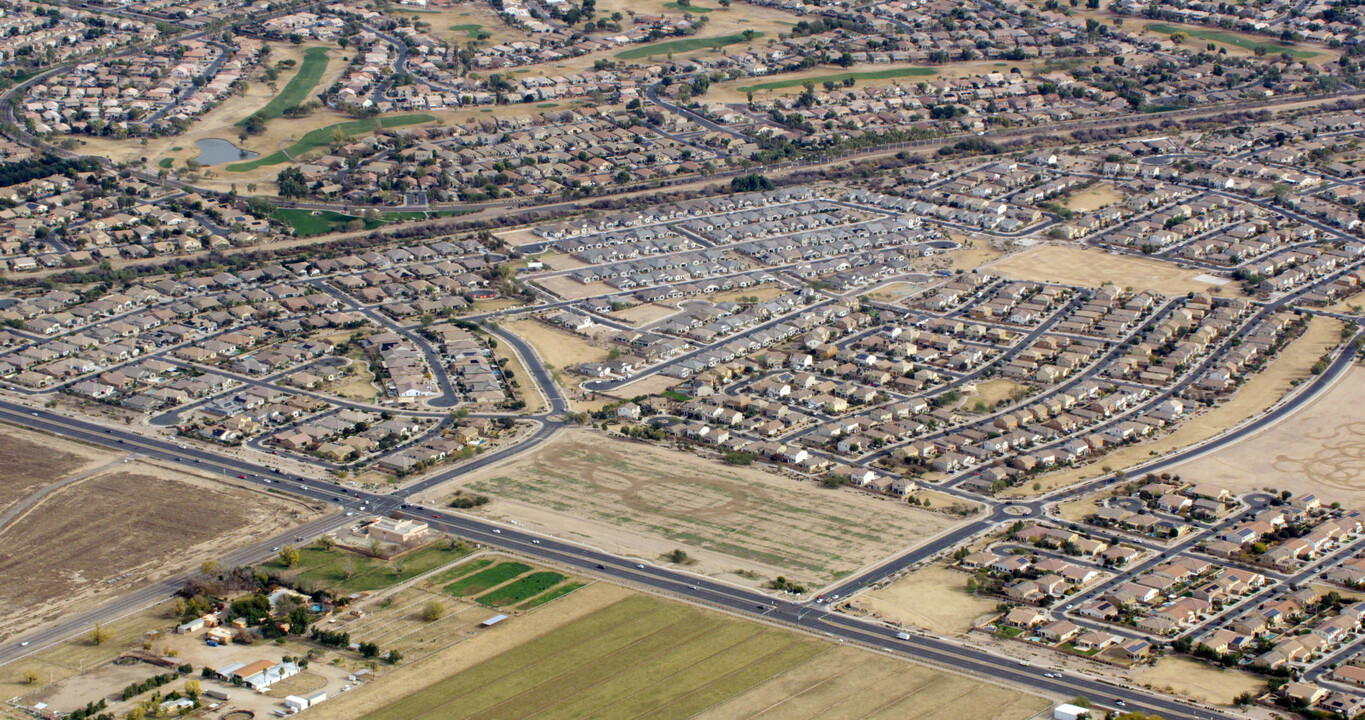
(497, 531)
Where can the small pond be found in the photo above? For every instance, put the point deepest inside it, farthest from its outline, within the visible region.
(216, 152)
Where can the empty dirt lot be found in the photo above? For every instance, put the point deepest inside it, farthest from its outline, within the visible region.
(33, 460)
(639, 499)
(1319, 450)
(933, 598)
(127, 526)
(1093, 268)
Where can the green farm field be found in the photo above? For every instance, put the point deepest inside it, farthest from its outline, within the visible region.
(645, 657)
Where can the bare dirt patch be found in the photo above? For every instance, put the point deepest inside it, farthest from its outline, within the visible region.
(1199, 681)
(1320, 450)
(557, 347)
(1094, 198)
(1094, 268)
(637, 315)
(652, 385)
(933, 598)
(644, 500)
(991, 392)
(974, 252)
(130, 526)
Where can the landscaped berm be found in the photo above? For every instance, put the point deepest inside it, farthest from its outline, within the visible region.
(644, 657)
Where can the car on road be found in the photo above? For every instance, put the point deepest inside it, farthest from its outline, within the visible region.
(535, 542)
(1120, 703)
(23, 644)
(902, 636)
(497, 531)
(600, 566)
(1023, 663)
(639, 566)
(241, 477)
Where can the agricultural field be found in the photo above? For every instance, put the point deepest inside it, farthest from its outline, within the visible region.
(346, 572)
(94, 538)
(1093, 268)
(500, 583)
(645, 500)
(644, 656)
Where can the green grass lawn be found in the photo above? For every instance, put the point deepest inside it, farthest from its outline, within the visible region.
(484, 580)
(165, 163)
(322, 136)
(1271, 47)
(346, 572)
(308, 224)
(473, 30)
(296, 91)
(640, 657)
(840, 77)
(522, 589)
(683, 45)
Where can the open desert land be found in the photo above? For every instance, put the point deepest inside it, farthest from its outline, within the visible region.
(1319, 450)
(1198, 681)
(97, 537)
(221, 123)
(1093, 268)
(631, 655)
(1293, 365)
(1094, 198)
(644, 501)
(34, 461)
(933, 598)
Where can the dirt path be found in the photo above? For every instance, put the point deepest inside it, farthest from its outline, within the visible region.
(21, 508)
